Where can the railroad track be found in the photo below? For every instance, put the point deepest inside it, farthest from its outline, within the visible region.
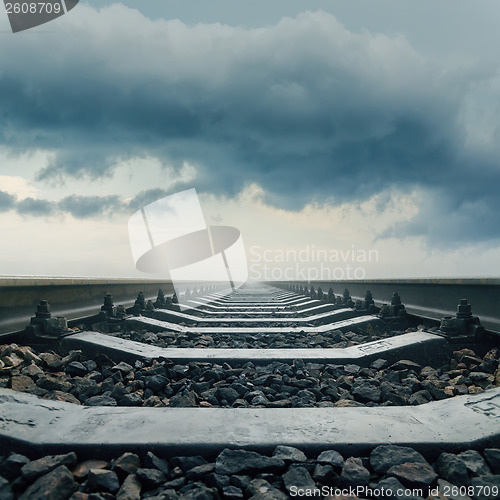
(264, 392)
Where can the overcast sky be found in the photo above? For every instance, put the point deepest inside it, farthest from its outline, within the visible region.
(309, 125)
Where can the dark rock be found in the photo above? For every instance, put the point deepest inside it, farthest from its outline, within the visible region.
(187, 400)
(227, 393)
(51, 360)
(61, 396)
(235, 461)
(199, 472)
(187, 463)
(85, 388)
(197, 491)
(11, 466)
(220, 481)
(22, 383)
(451, 468)
(53, 383)
(354, 473)
(378, 364)
(123, 367)
(6, 492)
(100, 401)
(232, 493)
(331, 457)
(492, 456)
(103, 480)
(151, 477)
(406, 364)
(420, 397)
(485, 486)
(240, 481)
(475, 463)
(414, 474)
(323, 473)
(175, 483)
(127, 463)
(76, 369)
(55, 485)
(130, 489)
(81, 470)
(364, 391)
(153, 462)
(382, 458)
(289, 454)
(300, 478)
(37, 468)
(130, 399)
(156, 382)
(260, 489)
(393, 489)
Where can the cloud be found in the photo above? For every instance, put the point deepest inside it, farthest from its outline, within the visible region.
(35, 207)
(305, 108)
(7, 201)
(82, 207)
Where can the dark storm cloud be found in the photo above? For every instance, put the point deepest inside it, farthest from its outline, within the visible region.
(307, 109)
(35, 207)
(7, 201)
(82, 207)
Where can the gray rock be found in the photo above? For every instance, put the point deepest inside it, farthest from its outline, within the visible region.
(101, 400)
(451, 468)
(235, 461)
(187, 463)
(394, 486)
(227, 393)
(289, 454)
(187, 400)
(354, 473)
(127, 463)
(379, 363)
(123, 367)
(406, 364)
(200, 471)
(103, 480)
(492, 456)
(382, 458)
(76, 369)
(130, 399)
(130, 489)
(153, 462)
(5, 489)
(331, 457)
(485, 486)
(323, 473)
(151, 477)
(198, 491)
(414, 474)
(475, 463)
(37, 468)
(11, 466)
(260, 489)
(156, 382)
(55, 485)
(298, 477)
(364, 392)
(232, 493)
